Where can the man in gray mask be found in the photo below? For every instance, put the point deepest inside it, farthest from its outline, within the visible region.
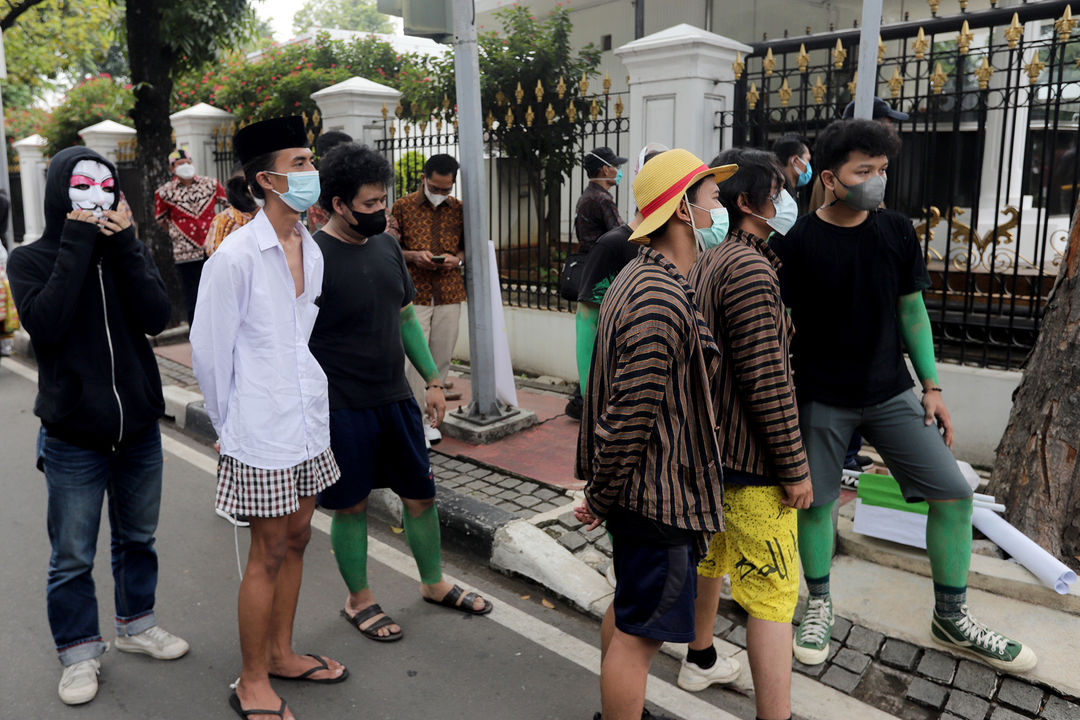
(853, 276)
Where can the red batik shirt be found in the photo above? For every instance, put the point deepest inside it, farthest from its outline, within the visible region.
(188, 210)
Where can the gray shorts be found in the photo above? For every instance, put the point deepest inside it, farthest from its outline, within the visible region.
(915, 454)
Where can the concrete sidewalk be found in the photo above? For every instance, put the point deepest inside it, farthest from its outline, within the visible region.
(510, 504)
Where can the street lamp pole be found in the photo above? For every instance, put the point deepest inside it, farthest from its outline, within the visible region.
(868, 50)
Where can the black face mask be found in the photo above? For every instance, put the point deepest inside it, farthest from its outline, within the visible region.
(367, 224)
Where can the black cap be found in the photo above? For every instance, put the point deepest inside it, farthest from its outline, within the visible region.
(268, 136)
(598, 157)
(882, 109)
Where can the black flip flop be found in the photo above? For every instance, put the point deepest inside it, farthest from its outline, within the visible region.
(234, 703)
(306, 676)
(450, 600)
(371, 631)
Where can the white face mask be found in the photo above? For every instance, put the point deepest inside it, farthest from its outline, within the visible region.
(92, 187)
(785, 215)
(434, 199)
(185, 171)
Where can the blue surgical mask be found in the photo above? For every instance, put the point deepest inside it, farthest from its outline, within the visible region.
(787, 212)
(618, 176)
(805, 176)
(304, 189)
(714, 235)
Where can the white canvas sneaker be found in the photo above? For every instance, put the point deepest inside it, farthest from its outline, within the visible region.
(155, 642)
(432, 434)
(79, 683)
(695, 679)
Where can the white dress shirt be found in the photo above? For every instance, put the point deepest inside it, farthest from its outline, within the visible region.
(264, 391)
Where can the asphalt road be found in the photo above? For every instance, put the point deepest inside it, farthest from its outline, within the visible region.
(524, 661)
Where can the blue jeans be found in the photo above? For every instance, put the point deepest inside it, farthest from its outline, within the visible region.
(78, 480)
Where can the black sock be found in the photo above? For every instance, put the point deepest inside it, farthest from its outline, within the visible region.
(704, 659)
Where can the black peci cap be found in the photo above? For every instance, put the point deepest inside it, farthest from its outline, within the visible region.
(268, 136)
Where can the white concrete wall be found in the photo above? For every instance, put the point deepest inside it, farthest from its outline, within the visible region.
(542, 342)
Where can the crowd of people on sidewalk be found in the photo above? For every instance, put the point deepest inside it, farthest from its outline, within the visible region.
(730, 353)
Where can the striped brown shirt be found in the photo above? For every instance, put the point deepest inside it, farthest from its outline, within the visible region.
(753, 394)
(647, 441)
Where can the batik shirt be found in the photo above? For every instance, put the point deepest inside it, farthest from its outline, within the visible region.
(188, 210)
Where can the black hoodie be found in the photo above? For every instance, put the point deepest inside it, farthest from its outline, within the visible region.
(88, 301)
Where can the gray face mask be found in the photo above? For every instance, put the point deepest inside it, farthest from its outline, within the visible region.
(867, 195)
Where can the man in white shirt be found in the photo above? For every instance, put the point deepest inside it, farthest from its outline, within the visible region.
(268, 400)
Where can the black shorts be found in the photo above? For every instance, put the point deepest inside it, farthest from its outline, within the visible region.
(379, 447)
(655, 578)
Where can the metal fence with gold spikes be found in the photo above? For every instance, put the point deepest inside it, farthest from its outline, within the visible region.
(535, 136)
(989, 172)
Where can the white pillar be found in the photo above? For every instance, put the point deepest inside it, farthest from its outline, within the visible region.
(355, 107)
(194, 129)
(680, 79)
(32, 168)
(105, 137)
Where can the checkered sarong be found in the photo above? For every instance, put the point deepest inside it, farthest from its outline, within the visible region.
(257, 492)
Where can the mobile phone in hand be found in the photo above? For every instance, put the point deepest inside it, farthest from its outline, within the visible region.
(438, 259)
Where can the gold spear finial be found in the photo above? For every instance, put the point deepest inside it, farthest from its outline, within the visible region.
(983, 73)
(920, 45)
(769, 63)
(1065, 25)
(1035, 68)
(529, 116)
(607, 82)
(803, 58)
(752, 96)
(539, 91)
(963, 40)
(1014, 32)
(938, 79)
(839, 55)
(785, 93)
(583, 86)
(851, 86)
(519, 93)
(738, 66)
(819, 90)
(882, 48)
(896, 83)
(549, 114)
(560, 89)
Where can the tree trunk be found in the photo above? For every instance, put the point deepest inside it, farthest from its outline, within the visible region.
(1036, 473)
(151, 76)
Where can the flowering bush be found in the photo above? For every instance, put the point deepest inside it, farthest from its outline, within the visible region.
(22, 123)
(95, 99)
(280, 80)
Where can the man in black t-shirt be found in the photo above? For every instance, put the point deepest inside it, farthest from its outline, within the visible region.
(853, 276)
(365, 328)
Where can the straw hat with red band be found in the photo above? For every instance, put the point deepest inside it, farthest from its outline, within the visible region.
(662, 183)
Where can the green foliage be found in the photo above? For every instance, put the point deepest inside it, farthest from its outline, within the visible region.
(91, 101)
(281, 79)
(55, 41)
(407, 171)
(341, 15)
(201, 32)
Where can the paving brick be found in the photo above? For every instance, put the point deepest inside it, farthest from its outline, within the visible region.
(924, 692)
(722, 625)
(899, 654)
(568, 521)
(546, 494)
(937, 666)
(527, 501)
(852, 660)
(864, 639)
(834, 647)
(737, 636)
(810, 670)
(976, 679)
(1001, 713)
(1060, 709)
(478, 472)
(840, 629)
(543, 507)
(603, 544)
(573, 541)
(967, 705)
(1020, 695)
(840, 679)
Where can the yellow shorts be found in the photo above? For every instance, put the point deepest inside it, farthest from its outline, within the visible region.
(759, 549)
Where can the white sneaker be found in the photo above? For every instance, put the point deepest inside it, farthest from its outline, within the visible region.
(432, 435)
(610, 574)
(695, 679)
(237, 520)
(79, 683)
(155, 642)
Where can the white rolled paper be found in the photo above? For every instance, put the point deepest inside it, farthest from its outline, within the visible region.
(1024, 550)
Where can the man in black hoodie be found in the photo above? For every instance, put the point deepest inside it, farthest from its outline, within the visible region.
(88, 293)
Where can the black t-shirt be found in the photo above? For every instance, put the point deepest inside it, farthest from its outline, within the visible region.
(357, 335)
(612, 251)
(843, 286)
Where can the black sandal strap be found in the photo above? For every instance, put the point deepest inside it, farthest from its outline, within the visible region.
(323, 665)
(280, 712)
(450, 599)
(365, 614)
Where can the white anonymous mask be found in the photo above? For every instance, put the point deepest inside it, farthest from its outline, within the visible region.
(92, 187)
